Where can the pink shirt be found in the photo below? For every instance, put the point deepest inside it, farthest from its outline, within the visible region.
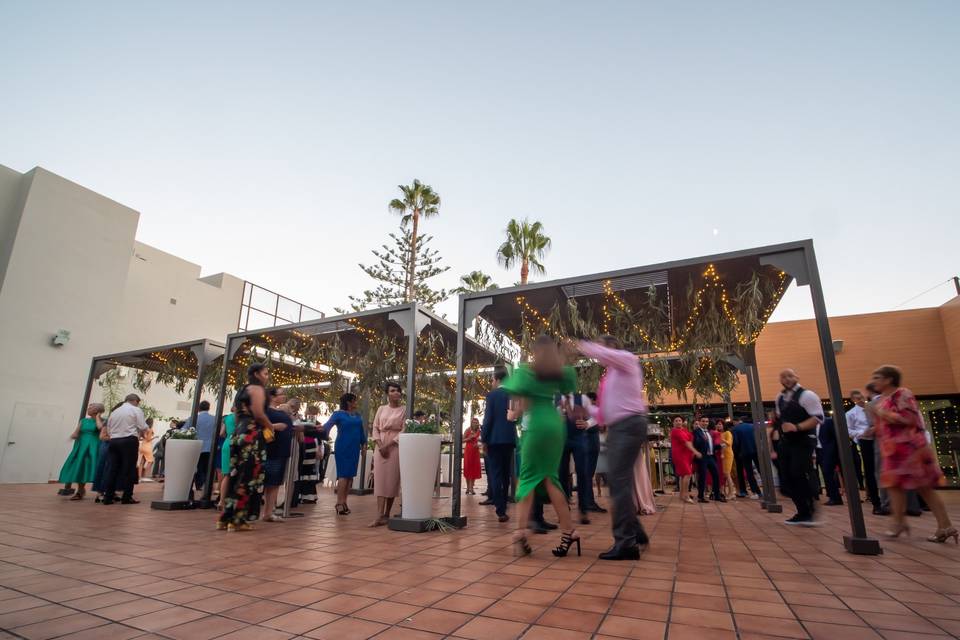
(622, 393)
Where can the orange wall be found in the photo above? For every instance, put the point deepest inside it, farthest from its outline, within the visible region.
(924, 343)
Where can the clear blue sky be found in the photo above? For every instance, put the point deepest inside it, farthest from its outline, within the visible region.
(636, 132)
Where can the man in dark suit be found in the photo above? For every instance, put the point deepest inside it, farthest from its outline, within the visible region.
(706, 463)
(745, 455)
(828, 459)
(499, 438)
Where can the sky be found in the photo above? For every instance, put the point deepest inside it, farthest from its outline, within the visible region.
(266, 139)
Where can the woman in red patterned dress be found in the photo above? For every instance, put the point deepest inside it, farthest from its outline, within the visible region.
(471, 454)
(909, 461)
(682, 454)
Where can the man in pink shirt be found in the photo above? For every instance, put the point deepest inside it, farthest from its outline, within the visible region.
(623, 409)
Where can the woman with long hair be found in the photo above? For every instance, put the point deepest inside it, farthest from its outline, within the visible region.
(80, 466)
(543, 440)
(247, 449)
(471, 454)
(349, 441)
(682, 453)
(726, 466)
(146, 449)
(388, 423)
(908, 460)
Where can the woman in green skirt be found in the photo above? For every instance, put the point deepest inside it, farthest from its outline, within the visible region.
(81, 465)
(542, 444)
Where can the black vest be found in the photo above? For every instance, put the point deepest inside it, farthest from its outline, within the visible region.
(792, 411)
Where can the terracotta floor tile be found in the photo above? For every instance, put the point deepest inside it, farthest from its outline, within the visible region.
(700, 589)
(633, 628)
(204, 628)
(646, 595)
(643, 610)
(400, 633)
(533, 596)
(771, 626)
(481, 628)
(754, 607)
(901, 622)
(258, 611)
(257, 633)
(300, 621)
(487, 590)
(419, 597)
(20, 603)
(464, 603)
(343, 604)
(164, 618)
(593, 604)
(701, 618)
(33, 614)
(67, 625)
(436, 620)
(516, 611)
(813, 600)
(537, 632)
(832, 616)
(693, 601)
(677, 631)
(570, 619)
(824, 631)
(347, 629)
(387, 612)
(108, 631)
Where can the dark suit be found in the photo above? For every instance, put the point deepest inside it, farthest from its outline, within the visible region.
(707, 463)
(577, 447)
(499, 435)
(745, 455)
(828, 459)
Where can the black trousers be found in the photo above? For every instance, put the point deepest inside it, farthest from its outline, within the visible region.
(577, 447)
(857, 463)
(122, 474)
(829, 461)
(593, 453)
(707, 464)
(870, 471)
(499, 464)
(746, 464)
(200, 477)
(797, 475)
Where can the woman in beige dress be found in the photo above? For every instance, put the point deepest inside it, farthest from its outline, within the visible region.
(387, 425)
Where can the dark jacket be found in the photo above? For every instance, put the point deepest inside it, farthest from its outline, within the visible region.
(744, 441)
(496, 429)
(700, 442)
(828, 435)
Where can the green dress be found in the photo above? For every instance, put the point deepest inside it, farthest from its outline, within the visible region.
(229, 425)
(81, 465)
(541, 445)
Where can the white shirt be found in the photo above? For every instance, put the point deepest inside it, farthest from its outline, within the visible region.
(709, 437)
(809, 401)
(587, 406)
(127, 420)
(857, 423)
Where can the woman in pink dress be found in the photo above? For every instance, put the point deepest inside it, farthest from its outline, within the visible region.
(643, 488)
(387, 426)
(909, 461)
(682, 454)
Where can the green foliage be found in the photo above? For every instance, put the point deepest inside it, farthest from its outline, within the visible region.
(526, 245)
(419, 201)
(475, 281)
(112, 388)
(412, 426)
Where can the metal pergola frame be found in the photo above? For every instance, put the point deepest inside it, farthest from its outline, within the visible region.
(411, 319)
(797, 260)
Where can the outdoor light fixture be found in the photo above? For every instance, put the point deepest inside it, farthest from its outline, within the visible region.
(61, 338)
(837, 346)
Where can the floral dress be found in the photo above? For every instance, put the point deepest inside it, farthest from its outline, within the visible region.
(909, 461)
(248, 453)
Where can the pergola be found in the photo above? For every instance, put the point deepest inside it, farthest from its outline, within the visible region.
(712, 305)
(183, 360)
(365, 349)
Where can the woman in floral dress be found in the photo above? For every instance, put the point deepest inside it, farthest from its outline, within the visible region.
(908, 460)
(247, 450)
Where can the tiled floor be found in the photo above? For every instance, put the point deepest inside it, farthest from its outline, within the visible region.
(80, 570)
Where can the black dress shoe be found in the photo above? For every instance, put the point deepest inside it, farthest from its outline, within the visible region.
(503, 518)
(834, 503)
(549, 526)
(486, 503)
(915, 514)
(879, 511)
(630, 553)
(537, 528)
(702, 500)
(129, 501)
(106, 501)
(596, 509)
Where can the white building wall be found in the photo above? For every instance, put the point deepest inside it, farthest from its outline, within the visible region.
(73, 263)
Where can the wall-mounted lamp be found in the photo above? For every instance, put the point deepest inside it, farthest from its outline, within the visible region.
(61, 338)
(837, 346)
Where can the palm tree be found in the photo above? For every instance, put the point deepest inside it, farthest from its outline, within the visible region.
(475, 281)
(526, 244)
(418, 200)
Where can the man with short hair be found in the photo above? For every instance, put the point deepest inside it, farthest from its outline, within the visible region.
(745, 454)
(278, 453)
(859, 426)
(124, 427)
(206, 432)
(798, 413)
(707, 462)
(498, 434)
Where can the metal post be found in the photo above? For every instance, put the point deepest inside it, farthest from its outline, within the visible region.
(411, 366)
(290, 478)
(88, 390)
(858, 542)
(726, 398)
(205, 501)
(764, 455)
(456, 426)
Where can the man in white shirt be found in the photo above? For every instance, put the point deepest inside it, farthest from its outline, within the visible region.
(860, 427)
(124, 427)
(799, 412)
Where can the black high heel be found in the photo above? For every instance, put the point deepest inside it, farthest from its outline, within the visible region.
(566, 541)
(342, 511)
(520, 546)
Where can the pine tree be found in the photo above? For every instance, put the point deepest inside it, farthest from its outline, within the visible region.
(392, 273)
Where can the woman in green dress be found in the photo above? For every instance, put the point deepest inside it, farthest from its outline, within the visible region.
(542, 444)
(81, 465)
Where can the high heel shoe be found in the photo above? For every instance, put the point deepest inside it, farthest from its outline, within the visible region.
(342, 509)
(520, 545)
(221, 525)
(897, 529)
(566, 541)
(942, 535)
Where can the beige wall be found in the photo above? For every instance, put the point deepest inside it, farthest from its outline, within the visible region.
(950, 319)
(74, 264)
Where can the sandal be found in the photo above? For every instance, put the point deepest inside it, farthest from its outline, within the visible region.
(566, 541)
(78, 496)
(341, 511)
(520, 545)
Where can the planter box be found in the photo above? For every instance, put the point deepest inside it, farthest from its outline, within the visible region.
(419, 460)
(180, 464)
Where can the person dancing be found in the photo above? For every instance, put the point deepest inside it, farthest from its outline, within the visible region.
(682, 453)
(909, 462)
(543, 441)
(248, 451)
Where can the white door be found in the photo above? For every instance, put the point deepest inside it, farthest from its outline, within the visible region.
(29, 451)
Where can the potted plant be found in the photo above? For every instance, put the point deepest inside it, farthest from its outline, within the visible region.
(419, 461)
(180, 463)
